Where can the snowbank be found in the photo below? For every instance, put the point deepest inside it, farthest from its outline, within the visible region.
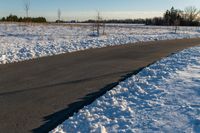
(24, 42)
(164, 97)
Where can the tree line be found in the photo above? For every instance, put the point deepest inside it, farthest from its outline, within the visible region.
(173, 17)
(127, 21)
(15, 18)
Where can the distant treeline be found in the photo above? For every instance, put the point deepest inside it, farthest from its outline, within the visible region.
(173, 17)
(127, 21)
(14, 18)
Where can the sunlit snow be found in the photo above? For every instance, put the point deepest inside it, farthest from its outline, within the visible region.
(164, 97)
(20, 42)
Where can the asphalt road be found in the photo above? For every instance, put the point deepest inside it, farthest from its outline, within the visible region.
(39, 94)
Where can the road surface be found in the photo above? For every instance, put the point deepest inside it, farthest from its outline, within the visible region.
(39, 94)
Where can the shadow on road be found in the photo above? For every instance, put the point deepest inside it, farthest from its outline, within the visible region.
(57, 118)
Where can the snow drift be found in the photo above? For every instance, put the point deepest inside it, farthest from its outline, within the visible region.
(164, 97)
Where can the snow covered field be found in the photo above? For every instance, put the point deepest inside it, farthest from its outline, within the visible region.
(164, 97)
(22, 42)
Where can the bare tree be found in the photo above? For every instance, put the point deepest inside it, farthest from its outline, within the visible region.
(98, 23)
(98, 26)
(176, 25)
(59, 15)
(27, 4)
(192, 13)
(104, 28)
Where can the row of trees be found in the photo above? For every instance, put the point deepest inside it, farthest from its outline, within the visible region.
(127, 21)
(174, 17)
(14, 18)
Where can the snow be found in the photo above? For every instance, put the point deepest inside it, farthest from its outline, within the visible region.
(19, 42)
(164, 97)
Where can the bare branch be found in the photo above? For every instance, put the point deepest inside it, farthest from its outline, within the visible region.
(192, 13)
(59, 14)
(27, 7)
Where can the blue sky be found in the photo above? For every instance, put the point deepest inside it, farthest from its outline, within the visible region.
(86, 9)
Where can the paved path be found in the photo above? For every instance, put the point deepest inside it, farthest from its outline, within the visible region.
(37, 95)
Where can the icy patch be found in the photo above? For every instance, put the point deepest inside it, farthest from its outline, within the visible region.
(164, 97)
